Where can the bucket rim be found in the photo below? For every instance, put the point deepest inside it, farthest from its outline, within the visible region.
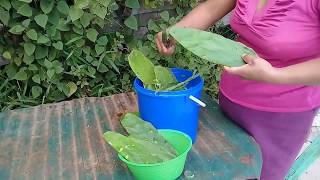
(182, 155)
(188, 91)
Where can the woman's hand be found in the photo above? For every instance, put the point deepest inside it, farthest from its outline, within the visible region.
(165, 48)
(256, 69)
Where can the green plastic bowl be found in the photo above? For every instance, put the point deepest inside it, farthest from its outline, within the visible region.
(168, 170)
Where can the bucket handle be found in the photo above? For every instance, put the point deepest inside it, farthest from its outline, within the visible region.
(198, 101)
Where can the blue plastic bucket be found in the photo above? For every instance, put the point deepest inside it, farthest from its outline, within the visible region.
(173, 109)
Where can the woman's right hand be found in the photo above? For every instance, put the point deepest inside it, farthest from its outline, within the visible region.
(165, 48)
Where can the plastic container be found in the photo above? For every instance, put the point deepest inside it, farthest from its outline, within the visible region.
(168, 170)
(172, 109)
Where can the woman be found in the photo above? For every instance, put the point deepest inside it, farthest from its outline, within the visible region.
(274, 96)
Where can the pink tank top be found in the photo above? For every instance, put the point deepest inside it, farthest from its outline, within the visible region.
(284, 32)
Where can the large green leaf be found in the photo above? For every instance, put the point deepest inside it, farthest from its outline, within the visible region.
(92, 34)
(141, 129)
(32, 34)
(75, 13)
(211, 47)
(131, 22)
(36, 91)
(102, 41)
(17, 29)
(99, 10)
(4, 16)
(41, 52)
(137, 150)
(27, 1)
(132, 4)
(85, 20)
(43, 39)
(26, 23)
(63, 7)
(7, 55)
(36, 79)
(5, 4)
(58, 45)
(164, 78)
(46, 6)
(72, 88)
(29, 48)
(142, 67)
(81, 4)
(54, 17)
(21, 75)
(41, 20)
(25, 10)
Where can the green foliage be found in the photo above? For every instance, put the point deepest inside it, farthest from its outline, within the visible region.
(68, 49)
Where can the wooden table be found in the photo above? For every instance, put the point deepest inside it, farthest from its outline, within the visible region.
(64, 141)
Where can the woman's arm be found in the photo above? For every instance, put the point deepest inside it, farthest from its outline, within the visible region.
(306, 73)
(201, 17)
(206, 14)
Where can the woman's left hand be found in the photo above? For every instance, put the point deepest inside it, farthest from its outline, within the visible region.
(256, 69)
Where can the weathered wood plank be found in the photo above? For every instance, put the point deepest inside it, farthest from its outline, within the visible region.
(310, 155)
(64, 141)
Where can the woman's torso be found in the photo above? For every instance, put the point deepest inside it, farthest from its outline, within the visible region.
(284, 32)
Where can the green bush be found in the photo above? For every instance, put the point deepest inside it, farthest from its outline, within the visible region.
(60, 49)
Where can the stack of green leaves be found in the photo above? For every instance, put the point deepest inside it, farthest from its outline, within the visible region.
(156, 78)
(211, 47)
(144, 143)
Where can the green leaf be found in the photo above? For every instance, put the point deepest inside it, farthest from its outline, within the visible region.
(32, 34)
(5, 4)
(46, 6)
(7, 55)
(102, 68)
(134, 4)
(43, 39)
(36, 91)
(211, 47)
(48, 64)
(33, 67)
(54, 17)
(138, 128)
(63, 7)
(29, 48)
(92, 34)
(27, 1)
(73, 40)
(102, 41)
(131, 22)
(25, 10)
(164, 78)
(4, 16)
(58, 45)
(50, 73)
(17, 29)
(80, 4)
(21, 75)
(36, 79)
(153, 26)
(142, 67)
(85, 20)
(99, 10)
(72, 88)
(99, 49)
(41, 20)
(63, 25)
(27, 59)
(41, 52)
(75, 13)
(26, 23)
(165, 16)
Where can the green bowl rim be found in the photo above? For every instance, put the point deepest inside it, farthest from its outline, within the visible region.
(165, 162)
